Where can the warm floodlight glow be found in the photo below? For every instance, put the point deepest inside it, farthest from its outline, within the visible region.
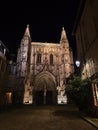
(8, 97)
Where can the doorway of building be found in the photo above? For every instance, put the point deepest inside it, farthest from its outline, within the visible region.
(42, 99)
(49, 98)
(39, 97)
(45, 89)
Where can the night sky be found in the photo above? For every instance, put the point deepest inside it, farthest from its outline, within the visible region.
(45, 19)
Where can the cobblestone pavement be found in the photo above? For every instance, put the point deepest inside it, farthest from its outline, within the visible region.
(43, 118)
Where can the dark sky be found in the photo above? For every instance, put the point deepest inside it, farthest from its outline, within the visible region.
(45, 19)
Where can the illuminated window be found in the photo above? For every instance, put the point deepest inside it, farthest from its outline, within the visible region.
(51, 59)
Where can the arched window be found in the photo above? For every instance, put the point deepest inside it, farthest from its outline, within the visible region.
(51, 59)
(38, 58)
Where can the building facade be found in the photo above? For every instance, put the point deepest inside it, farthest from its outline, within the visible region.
(42, 68)
(86, 32)
(3, 73)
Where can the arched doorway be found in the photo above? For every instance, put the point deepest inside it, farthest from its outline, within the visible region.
(45, 91)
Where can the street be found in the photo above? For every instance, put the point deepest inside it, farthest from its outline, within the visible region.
(64, 117)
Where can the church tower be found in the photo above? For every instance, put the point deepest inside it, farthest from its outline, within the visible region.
(25, 62)
(66, 54)
(22, 53)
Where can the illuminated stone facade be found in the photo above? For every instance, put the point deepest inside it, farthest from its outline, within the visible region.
(50, 65)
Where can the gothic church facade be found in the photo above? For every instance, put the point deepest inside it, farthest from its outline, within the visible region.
(45, 67)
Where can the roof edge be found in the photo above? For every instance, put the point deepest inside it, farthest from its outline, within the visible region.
(78, 16)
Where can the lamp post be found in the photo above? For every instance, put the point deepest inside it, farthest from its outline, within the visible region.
(77, 67)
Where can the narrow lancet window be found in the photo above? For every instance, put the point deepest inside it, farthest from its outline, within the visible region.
(38, 58)
(51, 59)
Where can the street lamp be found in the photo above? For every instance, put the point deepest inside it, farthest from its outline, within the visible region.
(78, 67)
(77, 63)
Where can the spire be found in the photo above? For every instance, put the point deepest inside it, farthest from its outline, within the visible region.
(26, 36)
(27, 31)
(63, 35)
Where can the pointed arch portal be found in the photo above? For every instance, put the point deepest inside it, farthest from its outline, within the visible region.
(45, 91)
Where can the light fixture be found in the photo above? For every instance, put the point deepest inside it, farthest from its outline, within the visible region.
(77, 63)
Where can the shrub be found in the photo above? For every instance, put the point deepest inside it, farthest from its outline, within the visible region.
(79, 91)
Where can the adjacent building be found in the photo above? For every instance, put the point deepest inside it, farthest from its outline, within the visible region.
(3, 73)
(86, 32)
